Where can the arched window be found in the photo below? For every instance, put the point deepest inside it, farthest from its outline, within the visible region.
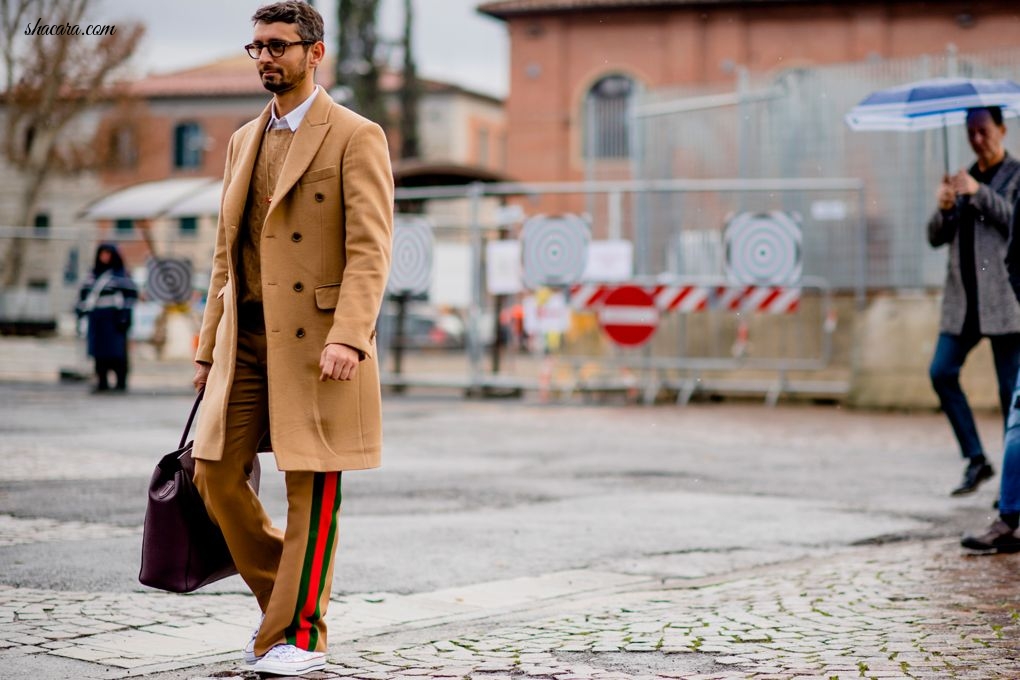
(123, 147)
(606, 112)
(189, 142)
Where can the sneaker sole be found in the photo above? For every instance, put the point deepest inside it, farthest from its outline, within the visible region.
(289, 669)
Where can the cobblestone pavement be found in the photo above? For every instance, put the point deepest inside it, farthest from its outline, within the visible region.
(749, 556)
(912, 611)
(907, 610)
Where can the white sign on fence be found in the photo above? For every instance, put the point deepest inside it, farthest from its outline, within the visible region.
(609, 261)
(503, 267)
(451, 286)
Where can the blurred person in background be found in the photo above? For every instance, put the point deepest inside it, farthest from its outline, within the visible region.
(105, 300)
(975, 209)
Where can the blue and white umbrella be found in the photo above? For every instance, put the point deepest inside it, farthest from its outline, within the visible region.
(932, 104)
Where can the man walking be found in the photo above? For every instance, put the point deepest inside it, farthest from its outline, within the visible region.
(973, 218)
(1002, 534)
(287, 345)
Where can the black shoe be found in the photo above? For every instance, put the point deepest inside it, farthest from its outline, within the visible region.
(973, 475)
(999, 537)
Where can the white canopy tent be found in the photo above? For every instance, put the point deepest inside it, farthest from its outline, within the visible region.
(178, 197)
(205, 201)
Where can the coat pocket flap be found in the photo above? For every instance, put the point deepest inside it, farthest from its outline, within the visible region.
(318, 174)
(326, 297)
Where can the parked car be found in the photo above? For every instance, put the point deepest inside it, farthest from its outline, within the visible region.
(424, 328)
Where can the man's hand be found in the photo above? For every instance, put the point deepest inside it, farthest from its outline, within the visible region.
(946, 194)
(201, 375)
(338, 362)
(964, 184)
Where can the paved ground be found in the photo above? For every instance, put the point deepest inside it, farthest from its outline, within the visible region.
(515, 539)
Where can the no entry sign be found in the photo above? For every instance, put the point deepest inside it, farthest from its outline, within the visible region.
(629, 316)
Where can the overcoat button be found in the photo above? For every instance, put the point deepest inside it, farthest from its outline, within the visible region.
(295, 237)
(298, 287)
(320, 197)
(300, 332)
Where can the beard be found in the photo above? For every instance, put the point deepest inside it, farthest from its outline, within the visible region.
(281, 82)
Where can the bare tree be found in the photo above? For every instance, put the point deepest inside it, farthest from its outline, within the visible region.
(410, 90)
(13, 16)
(357, 64)
(51, 80)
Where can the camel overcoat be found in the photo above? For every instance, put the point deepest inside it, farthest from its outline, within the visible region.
(325, 255)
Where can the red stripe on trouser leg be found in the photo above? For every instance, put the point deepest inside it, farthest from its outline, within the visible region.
(320, 557)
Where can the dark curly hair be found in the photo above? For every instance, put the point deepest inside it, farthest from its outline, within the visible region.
(306, 17)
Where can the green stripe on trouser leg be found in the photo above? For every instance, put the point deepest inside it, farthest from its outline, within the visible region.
(322, 530)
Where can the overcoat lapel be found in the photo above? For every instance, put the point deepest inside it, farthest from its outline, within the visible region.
(236, 195)
(307, 140)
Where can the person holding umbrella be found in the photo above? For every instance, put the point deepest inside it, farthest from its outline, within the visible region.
(973, 217)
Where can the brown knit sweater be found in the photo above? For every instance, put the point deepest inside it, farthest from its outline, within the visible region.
(268, 163)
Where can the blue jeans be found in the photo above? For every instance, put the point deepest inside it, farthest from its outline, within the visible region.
(950, 353)
(1009, 483)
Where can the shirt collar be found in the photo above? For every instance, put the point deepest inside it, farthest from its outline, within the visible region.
(293, 119)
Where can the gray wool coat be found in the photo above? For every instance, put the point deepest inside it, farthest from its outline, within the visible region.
(990, 211)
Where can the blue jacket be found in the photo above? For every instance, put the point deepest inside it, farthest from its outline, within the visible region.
(109, 313)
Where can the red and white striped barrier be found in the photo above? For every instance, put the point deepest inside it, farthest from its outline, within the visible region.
(686, 299)
(770, 300)
(589, 295)
(761, 299)
(683, 299)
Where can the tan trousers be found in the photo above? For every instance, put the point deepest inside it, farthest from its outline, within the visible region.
(290, 572)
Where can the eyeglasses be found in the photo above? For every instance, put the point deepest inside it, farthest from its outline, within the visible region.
(276, 47)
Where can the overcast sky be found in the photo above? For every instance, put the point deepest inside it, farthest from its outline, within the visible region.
(453, 42)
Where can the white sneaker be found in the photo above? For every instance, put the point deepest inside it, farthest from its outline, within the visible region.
(290, 660)
(249, 649)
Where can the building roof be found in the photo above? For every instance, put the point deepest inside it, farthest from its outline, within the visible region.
(504, 9)
(236, 75)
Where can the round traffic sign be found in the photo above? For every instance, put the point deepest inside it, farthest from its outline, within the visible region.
(555, 250)
(629, 316)
(411, 263)
(764, 249)
(168, 280)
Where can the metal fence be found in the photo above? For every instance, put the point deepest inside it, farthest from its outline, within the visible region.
(791, 125)
(689, 344)
(693, 160)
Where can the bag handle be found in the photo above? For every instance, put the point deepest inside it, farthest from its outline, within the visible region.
(191, 417)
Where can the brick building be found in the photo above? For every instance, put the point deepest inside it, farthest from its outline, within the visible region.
(173, 129)
(565, 52)
(176, 126)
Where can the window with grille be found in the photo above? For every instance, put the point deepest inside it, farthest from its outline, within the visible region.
(606, 117)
